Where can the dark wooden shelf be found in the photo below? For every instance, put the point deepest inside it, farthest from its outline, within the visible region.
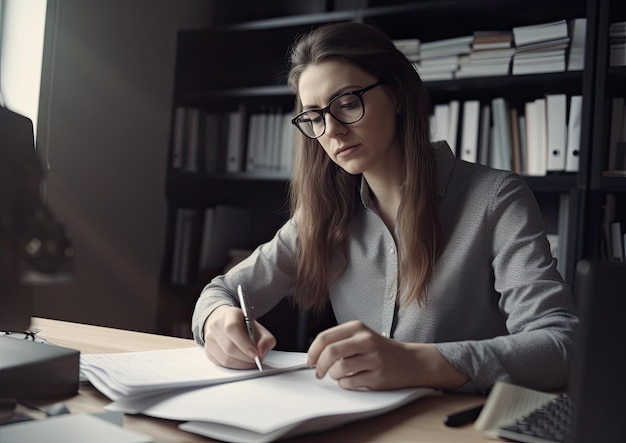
(556, 183)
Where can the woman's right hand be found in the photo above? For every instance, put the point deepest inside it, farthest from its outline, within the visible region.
(226, 341)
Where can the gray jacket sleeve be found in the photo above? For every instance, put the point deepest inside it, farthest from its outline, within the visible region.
(536, 304)
(267, 274)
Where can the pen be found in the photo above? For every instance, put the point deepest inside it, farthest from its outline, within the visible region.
(249, 319)
(463, 417)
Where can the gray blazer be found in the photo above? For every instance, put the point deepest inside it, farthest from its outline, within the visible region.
(497, 307)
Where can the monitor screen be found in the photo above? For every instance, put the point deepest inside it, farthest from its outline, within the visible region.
(20, 176)
(598, 386)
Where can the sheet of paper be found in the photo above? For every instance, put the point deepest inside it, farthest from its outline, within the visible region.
(265, 405)
(119, 375)
(70, 428)
(506, 403)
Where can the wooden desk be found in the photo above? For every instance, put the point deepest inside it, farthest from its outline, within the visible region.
(419, 421)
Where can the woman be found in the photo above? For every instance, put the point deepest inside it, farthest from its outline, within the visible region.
(438, 271)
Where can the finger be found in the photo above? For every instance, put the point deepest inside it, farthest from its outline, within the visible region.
(235, 328)
(335, 354)
(348, 367)
(266, 341)
(329, 336)
(228, 339)
(217, 356)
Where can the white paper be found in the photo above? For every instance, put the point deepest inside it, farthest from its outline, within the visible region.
(273, 406)
(119, 375)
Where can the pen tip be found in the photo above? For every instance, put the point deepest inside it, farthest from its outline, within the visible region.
(257, 360)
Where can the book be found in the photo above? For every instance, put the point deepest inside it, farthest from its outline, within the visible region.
(470, 131)
(492, 40)
(522, 142)
(485, 135)
(439, 122)
(234, 405)
(453, 124)
(556, 129)
(617, 44)
(252, 145)
(537, 62)
(288, 144)
(515, 141)
(501, 123)
(573, 133)
(578, 36)
(527, 35)
(535, 154)
(235, 141)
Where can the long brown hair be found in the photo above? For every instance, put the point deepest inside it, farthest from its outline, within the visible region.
(323, 196)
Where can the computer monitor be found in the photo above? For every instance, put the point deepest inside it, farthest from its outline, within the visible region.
(20, 176)
(598, 383)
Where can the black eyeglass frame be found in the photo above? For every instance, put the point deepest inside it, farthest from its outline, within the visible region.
(322, 112)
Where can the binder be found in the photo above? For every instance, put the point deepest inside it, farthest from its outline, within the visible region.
(573, 134)
(556, 111)
(470, 129)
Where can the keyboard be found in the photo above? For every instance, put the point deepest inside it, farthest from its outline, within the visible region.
(549, 423)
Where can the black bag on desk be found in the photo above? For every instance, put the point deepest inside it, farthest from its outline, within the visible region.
(37, 371)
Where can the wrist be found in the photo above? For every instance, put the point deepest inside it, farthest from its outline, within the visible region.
(434, 370)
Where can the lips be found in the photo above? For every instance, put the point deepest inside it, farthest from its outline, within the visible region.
(343, 149)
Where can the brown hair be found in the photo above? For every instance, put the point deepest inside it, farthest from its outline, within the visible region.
(323, 196)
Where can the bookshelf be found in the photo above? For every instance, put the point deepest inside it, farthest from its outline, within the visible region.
(607, 192)
(241, 67)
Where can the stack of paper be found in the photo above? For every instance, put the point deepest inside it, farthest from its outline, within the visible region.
(438, 60)
(490, 55)
(410, 47)
(540, 48)
(285, 399)
(617, 41)
(578, 33)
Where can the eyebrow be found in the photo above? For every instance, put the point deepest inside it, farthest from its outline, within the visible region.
(335, 94)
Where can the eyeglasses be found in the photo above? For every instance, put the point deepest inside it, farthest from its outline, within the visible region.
(346, 108)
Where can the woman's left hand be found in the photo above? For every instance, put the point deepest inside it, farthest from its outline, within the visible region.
(358, 357)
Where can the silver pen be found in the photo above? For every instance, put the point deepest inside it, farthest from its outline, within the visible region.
(249, 319)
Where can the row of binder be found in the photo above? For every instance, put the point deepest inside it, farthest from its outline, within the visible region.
(541, 137)
(231, 142)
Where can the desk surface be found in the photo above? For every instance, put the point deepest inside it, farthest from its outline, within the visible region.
(419, 421)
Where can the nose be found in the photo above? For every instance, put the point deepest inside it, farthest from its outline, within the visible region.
(333, 126)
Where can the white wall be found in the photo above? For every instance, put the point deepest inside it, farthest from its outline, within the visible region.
(22, 46)
(104, 122)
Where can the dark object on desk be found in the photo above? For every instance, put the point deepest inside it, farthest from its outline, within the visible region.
(597, 387)
(37, 371)
(463, 417)
(34, 247)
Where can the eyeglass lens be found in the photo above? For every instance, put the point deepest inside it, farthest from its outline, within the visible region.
(347, 108)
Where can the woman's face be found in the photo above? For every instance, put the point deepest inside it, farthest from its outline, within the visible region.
(369, 145)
